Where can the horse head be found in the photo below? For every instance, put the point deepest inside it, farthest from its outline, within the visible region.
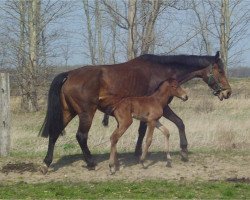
(216, 78)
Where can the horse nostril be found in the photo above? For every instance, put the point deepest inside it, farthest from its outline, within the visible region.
(185, 98)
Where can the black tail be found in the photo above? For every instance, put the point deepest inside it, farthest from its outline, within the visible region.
(53, 123)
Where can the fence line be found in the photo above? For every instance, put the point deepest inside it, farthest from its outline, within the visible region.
(4, 114)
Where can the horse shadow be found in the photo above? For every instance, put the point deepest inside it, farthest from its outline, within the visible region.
(126, 159)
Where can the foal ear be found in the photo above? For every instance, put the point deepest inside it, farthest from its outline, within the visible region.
(217, 56)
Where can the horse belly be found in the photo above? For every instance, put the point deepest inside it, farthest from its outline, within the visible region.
(108, 104)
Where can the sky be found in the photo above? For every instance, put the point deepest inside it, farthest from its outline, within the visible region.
(172, 29)
(77, 38)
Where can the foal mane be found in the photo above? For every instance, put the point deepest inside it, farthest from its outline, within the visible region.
(181, 61)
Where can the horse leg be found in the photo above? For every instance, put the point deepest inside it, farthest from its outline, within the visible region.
(166, 133)
(67, 117)
(85, 121)
(123, 123)
(141, 134)
(105, 120)
(150, 131)
(170, 115)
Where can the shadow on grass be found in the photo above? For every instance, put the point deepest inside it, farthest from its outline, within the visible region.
(127, 159)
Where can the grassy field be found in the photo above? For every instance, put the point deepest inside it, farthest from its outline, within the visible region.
(149, 189)
(218, 133)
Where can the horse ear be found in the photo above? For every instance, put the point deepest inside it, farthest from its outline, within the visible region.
(217, 56)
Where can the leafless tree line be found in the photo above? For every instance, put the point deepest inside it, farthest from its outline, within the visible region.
(28, 42)
(115, 31)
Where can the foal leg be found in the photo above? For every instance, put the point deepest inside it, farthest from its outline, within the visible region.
(85, 121)
(165, 131)
(150, 131)
(123, 124)
(169, 114)
(141, 134)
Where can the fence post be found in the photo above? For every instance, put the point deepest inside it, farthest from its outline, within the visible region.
(4, 114)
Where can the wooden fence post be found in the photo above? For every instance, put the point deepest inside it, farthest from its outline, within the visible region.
(4, 114)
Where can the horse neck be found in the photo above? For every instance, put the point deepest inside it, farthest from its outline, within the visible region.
(189, 74)
(162, 95)
(192, 69)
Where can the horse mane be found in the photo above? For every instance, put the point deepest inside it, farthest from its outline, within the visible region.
(182, 61)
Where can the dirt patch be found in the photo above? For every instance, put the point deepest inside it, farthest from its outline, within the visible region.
(239, 180)
(19, 168)
(201, 166)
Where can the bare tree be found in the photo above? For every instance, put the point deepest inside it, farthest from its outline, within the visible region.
(222, 22)
(224, 31)
(148, 37)
(89, 29)
(132, 30)
(199, 8)
(98, 26)
(139, 22)
(29, 43)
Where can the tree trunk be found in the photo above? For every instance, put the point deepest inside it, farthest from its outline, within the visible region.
(131, 53)
(113, 47)
(203, 25)
(148, 37)
(90, 35)
(33, 50)
(224, 32)
(22, 57)
(98, 20)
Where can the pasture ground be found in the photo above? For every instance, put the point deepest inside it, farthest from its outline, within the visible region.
(218, 167)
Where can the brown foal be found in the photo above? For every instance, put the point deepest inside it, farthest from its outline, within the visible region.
(148, 109)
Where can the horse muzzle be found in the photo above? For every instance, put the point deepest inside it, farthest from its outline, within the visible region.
(184, 97)
(224, 94)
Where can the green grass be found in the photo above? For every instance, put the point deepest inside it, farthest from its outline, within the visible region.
(118, 189)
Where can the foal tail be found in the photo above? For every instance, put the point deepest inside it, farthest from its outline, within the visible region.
(53, 123)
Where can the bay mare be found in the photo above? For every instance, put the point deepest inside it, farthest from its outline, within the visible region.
(84, 90)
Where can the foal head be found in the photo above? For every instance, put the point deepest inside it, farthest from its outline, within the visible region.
(176, 90)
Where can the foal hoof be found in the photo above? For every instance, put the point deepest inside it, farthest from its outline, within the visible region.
(169, 163)
(184, 156)
(43, 169)
(112, 170)
(143, 164)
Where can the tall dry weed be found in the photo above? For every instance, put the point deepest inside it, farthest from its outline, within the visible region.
(204, 106)
(225, 138)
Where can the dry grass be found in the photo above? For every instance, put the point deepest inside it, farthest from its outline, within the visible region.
(209, 123)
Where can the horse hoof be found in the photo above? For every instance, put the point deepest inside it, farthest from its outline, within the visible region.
(138, 152)
(91, 166)
(184, 156)
(105, 123)
(169, 163)
(43, 169)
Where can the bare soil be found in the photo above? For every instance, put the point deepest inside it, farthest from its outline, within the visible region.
(201, 166)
